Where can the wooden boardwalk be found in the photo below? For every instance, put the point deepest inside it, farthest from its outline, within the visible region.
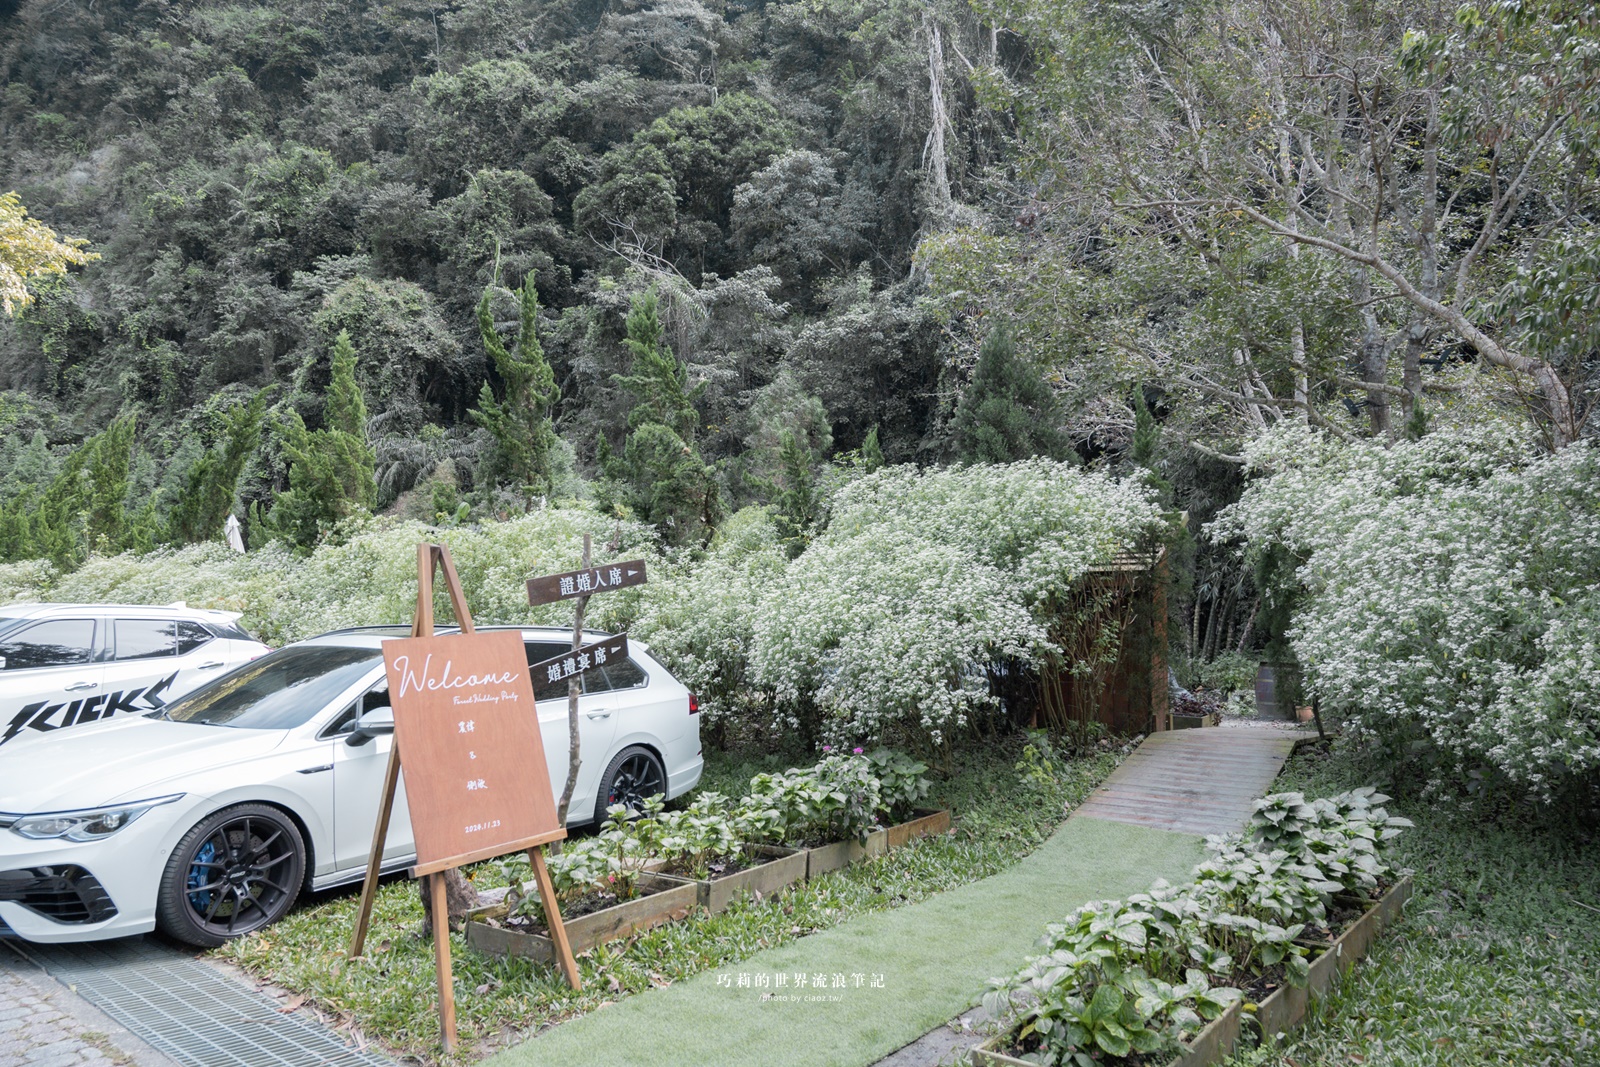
(1192, 781)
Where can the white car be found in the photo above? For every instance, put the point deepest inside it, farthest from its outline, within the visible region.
(207, 817)
(66, 664)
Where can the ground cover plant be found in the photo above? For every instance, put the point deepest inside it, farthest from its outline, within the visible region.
(1005, 807)
(1497, 959)
(1137, 977)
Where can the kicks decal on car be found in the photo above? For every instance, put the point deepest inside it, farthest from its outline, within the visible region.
(38, 716)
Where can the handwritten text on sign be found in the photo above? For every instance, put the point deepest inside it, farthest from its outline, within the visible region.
(586, 583)
(464, 719)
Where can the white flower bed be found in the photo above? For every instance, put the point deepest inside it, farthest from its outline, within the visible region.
(883, 626)
(1449, 591)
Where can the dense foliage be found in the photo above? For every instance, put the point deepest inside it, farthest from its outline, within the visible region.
(368, 580)
(258, 178)
(29, 251)
(1444, 595)
(884, 627)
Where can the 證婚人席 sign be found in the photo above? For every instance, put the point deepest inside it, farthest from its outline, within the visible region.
(476, 776)
(586, 582)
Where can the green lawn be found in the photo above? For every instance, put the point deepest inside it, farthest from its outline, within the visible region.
(1498, 959)
(1004, 814)
(919, 966)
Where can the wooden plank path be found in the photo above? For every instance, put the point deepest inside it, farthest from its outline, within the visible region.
(1192, 781)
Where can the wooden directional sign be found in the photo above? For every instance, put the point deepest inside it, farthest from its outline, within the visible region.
(603, 579)
(587, 658)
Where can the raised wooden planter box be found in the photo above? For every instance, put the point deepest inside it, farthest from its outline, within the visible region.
(1284, 1009)
(785, 866)
(1280, 1012)
(674, 899)
(1209, 1046)
(827, 858)
(924, 824)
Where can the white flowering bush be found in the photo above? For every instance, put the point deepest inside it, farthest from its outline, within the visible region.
(25, 581)
(700, 621)
(883, 626)
(1447, 593)
(371, 579)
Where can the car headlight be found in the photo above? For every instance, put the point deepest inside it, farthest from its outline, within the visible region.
(90, 824)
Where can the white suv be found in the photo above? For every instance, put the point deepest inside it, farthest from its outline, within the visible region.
(66, 664)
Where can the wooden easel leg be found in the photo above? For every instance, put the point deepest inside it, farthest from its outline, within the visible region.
(441, 957)
(380, 834)
(558, 932)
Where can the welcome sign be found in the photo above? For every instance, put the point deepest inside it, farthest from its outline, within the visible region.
(476, 779)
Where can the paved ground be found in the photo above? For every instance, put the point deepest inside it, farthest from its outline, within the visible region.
(192, 1011)
(45, 1024)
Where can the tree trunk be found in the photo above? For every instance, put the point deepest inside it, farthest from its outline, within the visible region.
(572, 700)
(1374, 370)
(934, 153)
(459, 895)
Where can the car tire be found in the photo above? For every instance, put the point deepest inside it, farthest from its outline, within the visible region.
(633, 775)
(236, 871)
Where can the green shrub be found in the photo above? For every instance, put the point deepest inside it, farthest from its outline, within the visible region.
(1142, 975)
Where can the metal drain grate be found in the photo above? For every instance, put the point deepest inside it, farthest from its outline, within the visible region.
(192, 1012)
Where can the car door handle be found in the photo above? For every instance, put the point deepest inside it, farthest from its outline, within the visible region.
(77, 686)
(600, 713)
(209, 666)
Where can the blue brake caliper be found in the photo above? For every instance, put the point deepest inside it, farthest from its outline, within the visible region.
(200, 875)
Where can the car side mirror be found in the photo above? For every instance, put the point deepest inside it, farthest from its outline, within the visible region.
(378, 722)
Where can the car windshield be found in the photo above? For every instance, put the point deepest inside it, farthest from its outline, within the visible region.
(279, 691)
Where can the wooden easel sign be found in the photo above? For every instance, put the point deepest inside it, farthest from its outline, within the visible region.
(476, 778)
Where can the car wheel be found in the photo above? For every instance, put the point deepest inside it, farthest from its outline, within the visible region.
(237, 871)
(633, 776)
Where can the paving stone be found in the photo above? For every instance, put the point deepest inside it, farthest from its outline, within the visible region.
(45, 1024)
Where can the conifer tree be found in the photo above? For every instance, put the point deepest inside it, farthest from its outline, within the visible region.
(1146, 441)
(659, 475)
(330, 470)
(82, 510)
(797, 503)
(871, 451)
(1008, 411)
(658, 380)
(209, 486)
(520, 424)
